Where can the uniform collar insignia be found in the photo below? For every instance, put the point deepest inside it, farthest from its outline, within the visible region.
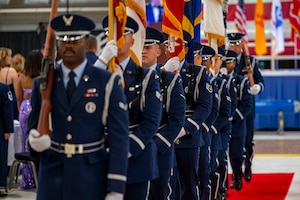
(68, 21)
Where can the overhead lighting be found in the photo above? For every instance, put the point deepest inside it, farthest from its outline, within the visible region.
(47, 10)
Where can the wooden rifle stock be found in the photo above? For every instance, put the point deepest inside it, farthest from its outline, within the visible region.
(247, 66)
(47, 74)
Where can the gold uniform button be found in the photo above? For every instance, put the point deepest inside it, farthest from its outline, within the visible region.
(69, 118)
(69, 136)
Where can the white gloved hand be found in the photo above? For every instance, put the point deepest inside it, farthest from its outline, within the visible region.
(110, 50)
(223, 70)
(172, 64)
(37, 142)
(255, 89)
(114, 196)
(181, 133)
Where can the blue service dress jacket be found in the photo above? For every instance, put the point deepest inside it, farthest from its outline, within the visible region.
(84, 175)
(173, 117)
(224, 104)
(6, 126)
(244, 105)
(198, 93)
(145, 108)
(257, 76)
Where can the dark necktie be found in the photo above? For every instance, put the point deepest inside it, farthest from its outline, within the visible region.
(71, 85)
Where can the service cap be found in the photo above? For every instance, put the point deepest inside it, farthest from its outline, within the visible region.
(153, 36)
(207, 52)
(234, 38)
(71, 27)
(131, 25)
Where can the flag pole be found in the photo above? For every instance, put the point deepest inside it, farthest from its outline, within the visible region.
(111, 31)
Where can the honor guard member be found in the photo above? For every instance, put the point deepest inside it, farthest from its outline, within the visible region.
(224, 105)
(91, 48)
(198, 93)
(225, 130)
(87, 104)
(253, 72)
(173, 112)
(205, 151)
(143, 95)
(6, 128)
(238, 133)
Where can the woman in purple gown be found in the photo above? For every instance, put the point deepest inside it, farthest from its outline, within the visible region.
(32, 69)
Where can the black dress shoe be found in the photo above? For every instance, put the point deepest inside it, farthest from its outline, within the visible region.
(232, 185)
(248, 174)
(238, 184)
(3, 194)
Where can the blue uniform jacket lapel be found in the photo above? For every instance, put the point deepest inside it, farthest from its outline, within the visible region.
(79, 92)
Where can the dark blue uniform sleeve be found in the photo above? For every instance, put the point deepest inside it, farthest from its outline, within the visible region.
(244, 101)
(117, 123)
(150, 117)
(214, 110)
(6, 109)
(204, 105)
(225, 106)
(257, 76)
(233, 94)
(35, 100)
(175, 116)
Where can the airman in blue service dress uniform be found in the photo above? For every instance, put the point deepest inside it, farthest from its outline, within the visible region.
(198, 93)
(238, 133)
(235, 44)
(75, 164)
(225, 125)
(6, 128)
(204, 158)
(143, 96)
(224, 105)
(173, 112)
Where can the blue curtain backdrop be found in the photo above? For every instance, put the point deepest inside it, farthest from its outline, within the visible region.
(280, 85)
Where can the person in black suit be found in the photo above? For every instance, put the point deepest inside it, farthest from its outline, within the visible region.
(154, 11)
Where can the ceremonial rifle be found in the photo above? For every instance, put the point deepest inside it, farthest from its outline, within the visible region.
(47, 74)
(247, 65)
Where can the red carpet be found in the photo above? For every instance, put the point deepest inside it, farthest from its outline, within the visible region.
(263, 187)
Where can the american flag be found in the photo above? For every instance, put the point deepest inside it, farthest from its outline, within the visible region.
(240, 19)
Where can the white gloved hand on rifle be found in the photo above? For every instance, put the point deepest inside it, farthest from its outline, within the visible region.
(110, 50)
(114, 196)
(37, 142)
(172, 64)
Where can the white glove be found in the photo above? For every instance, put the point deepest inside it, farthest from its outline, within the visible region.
(110, 50)
(172, 64)
(255, 89)
(181, 133)
(114, 196)
(223, 70)
(129, 155)
(37, 142)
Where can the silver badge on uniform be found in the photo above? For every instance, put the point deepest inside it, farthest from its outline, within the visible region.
(90, 107)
